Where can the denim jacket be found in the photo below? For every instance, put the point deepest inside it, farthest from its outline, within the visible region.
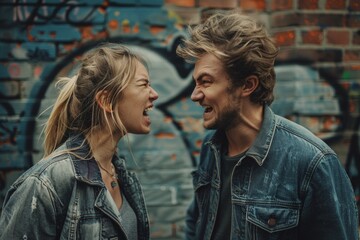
(64, 197)
(289, 185)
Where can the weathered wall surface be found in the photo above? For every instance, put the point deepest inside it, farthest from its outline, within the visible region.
(318, 84)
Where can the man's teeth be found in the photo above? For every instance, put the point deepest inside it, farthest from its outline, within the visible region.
(207, 109)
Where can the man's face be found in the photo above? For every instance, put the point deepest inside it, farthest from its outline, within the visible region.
(212, 91)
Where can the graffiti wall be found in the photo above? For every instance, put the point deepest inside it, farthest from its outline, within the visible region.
(41, 40)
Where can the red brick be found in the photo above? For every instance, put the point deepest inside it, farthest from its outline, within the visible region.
(316, 19)
(308, 4)
(284, 19)
(306, 55)
(354, 5)
(338, 37)
(285, 38)
(218, 4)
(335, 4)
(312, 37)
(356, 38)
(181, 3)
(252, 4)
(352, 55)
(281, 5)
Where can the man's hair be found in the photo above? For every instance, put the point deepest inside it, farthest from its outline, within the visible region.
(241, 44)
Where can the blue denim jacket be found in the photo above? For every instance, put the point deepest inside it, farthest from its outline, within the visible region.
(289, 185)
(64, 197)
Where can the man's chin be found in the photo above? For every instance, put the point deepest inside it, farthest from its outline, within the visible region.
(209, 126)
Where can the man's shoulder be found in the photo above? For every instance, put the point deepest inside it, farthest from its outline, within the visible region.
(298, 134)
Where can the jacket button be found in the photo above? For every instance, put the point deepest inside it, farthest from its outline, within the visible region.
(271, 221)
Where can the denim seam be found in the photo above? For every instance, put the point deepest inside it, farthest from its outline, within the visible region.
(308, 140)
(309, 173)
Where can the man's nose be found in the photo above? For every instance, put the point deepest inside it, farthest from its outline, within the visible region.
(197, 94)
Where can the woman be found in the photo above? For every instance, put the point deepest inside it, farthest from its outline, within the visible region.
(81, 189)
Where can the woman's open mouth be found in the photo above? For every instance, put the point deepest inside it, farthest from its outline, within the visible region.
(146, 111)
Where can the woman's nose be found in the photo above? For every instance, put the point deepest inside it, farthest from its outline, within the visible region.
(153, 94)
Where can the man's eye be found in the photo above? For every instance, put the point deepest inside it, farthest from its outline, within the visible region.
(206, 81)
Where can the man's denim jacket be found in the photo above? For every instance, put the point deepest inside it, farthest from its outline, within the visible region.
(289, 185)
(64, 197)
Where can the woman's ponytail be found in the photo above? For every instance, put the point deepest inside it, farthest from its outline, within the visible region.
(60, 117)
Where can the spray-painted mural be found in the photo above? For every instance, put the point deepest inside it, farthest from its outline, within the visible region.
(41, 40)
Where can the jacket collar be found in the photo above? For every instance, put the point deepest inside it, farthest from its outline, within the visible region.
(261, 146)
(85, 166)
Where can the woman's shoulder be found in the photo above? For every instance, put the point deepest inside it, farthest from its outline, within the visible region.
(52, 172)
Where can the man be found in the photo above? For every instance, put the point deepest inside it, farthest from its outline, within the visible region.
(260, 176)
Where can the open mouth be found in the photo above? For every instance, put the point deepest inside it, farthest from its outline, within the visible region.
(146, 111)
(208, 109)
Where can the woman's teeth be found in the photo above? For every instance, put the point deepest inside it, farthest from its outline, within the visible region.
(147, 110)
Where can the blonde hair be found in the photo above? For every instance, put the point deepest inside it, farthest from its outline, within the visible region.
(109, 67)
(241, 44)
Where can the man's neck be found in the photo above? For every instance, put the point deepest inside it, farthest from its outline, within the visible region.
(242, 136)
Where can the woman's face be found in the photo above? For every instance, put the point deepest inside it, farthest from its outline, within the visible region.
(136, 101)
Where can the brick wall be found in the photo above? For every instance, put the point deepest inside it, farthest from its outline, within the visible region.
(318, 73)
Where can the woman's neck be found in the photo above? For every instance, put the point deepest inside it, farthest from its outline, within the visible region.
(103, 146)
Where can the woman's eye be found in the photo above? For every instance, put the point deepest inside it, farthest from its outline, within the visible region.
(144, 85)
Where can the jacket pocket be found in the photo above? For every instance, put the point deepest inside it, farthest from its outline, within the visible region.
(96, 227)
(269, 222)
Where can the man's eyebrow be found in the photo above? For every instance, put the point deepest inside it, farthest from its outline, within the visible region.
(201, 75)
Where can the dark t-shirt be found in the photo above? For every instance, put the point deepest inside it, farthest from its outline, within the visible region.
(222, 226)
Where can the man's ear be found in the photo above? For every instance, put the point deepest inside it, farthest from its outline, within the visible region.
(102, 99)
(251, 83)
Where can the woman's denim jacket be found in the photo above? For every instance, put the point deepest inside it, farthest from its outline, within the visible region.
(289, 185)
(64, 197)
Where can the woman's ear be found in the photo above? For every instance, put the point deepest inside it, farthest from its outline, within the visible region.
(251, 83)
(102, 100)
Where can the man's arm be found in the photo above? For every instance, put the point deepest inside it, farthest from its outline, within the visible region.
(329, 210)
(190, 221)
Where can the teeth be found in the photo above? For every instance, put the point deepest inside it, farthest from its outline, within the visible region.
(148, 109)
(207, 109)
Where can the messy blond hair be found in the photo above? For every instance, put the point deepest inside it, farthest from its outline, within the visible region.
(109, 67)
(241, 44)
